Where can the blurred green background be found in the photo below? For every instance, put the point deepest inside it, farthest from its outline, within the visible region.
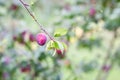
(92, 40)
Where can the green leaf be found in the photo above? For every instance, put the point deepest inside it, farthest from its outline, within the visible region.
(60, 45)
(64, 45)
(50, 45)
(112, 24)
(60, 32)
(42, 56)
(54, 45)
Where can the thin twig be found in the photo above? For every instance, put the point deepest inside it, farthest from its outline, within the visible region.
(108, 72)
(109, 52)
(41, 27)
(111, 61)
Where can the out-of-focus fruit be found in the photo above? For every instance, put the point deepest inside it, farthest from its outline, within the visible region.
(26, 68)
(14, 7)
(92, 11)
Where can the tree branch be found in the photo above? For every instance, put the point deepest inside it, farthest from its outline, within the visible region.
(109, 52)
(30, 13)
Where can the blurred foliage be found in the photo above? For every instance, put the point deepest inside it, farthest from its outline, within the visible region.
(77, 26)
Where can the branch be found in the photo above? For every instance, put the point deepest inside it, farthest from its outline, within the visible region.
(109, 53)
(111, 61)
(30, 13)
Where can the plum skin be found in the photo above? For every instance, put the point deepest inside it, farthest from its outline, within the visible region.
(41, 39)
(92, 12)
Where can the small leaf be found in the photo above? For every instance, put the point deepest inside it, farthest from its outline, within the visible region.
(55, 45)
(42, 56)
(54, 53)
(60, 32)
(64, 45)
(50, 45)
(112, 24)
(60, 46)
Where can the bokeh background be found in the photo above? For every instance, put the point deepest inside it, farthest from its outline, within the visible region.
(92, 39)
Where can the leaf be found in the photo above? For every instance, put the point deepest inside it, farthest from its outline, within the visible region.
(112, 24)
(60, 32)
(50, 45)
(60, 45)
(54, 45)
(42, 56)
(64, 45)
(54, 53)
